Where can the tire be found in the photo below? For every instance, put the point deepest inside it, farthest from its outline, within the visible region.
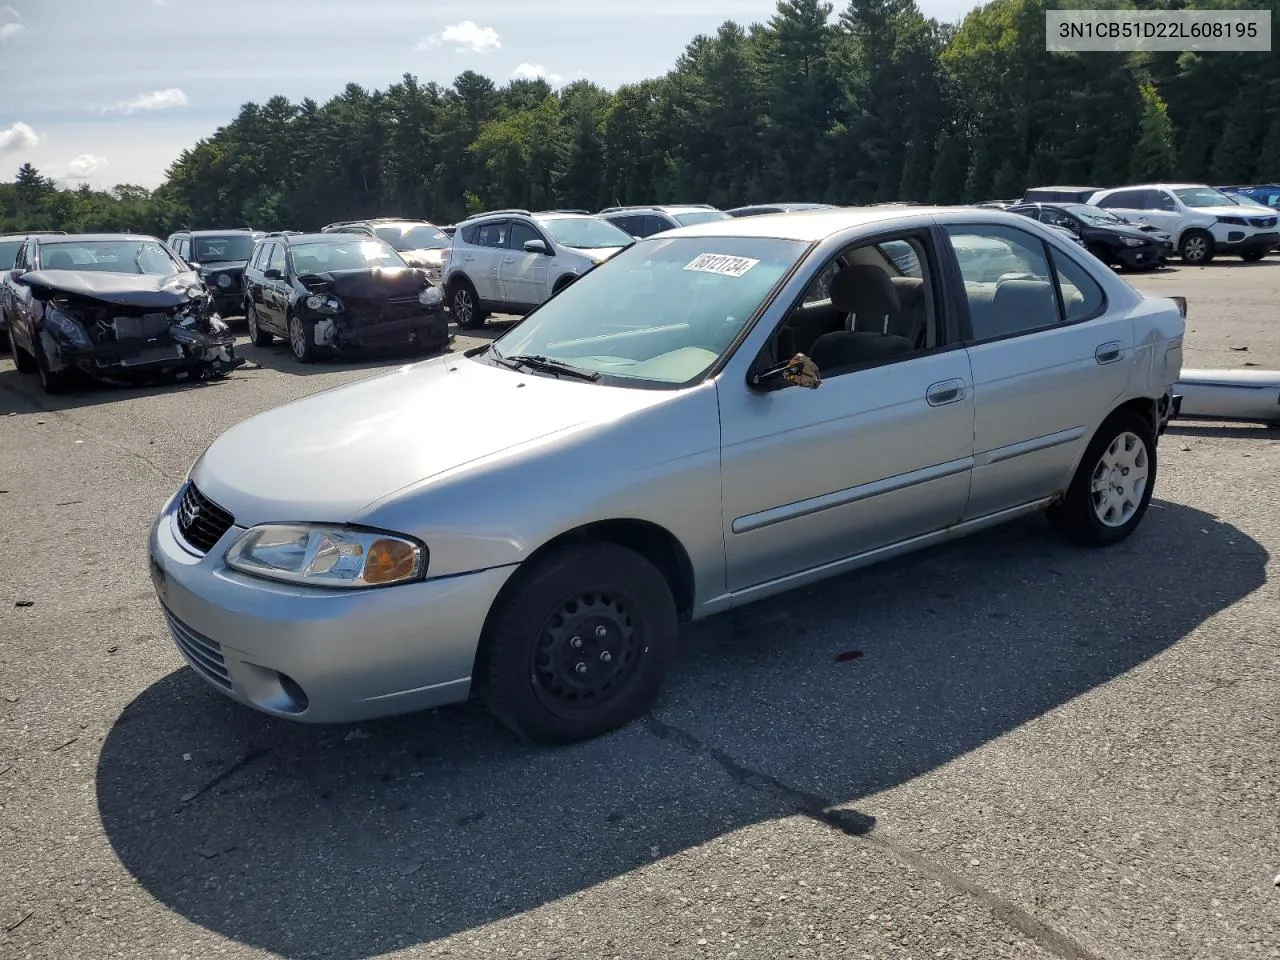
(613, 607)
(302, 339)
(1101, 252)
(260, 337)
(1099, 517)
(23, 360)
(465, 306)
(1253, 256)
(1196, 248)
(562, 283)
(52, 382)
(6, 345)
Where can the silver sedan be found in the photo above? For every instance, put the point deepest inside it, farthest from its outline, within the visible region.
(718, 414)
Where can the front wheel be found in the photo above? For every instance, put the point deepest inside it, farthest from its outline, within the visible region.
(302, 340)
(1196, 248)
(579, 645)
(53, 381)
(1112, 487)
(1253, 256)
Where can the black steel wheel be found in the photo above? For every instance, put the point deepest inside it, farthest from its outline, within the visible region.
(579, 644)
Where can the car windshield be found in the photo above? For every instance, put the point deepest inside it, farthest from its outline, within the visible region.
(585, 233)
(698, 216)
(421, 236)
(1094, 214)
(322, 256)
(1204, 197)
(661, 312)
(9, 253)
(110, 256)
(221, 249)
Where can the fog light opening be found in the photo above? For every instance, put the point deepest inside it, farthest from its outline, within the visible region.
(293, 692)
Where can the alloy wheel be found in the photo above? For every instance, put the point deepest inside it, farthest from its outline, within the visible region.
(1194, 249)
(297, 338)
(463, 307)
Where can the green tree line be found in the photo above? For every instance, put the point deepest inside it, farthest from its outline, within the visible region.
(870, 103)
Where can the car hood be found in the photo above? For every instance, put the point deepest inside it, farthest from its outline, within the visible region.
(223, 266)
(599, 254)
(422, 258)
(374, 282)
(123, 289)
(1135, 232)
(1243, 210)
(328, 456)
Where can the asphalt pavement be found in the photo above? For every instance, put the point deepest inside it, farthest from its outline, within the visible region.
(1002, 748)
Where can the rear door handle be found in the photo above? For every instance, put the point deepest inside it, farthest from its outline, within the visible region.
(1108, 352)
(947, 391)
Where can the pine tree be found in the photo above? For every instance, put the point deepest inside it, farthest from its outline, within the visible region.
(1153, 155)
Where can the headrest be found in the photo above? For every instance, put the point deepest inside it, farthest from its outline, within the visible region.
(910, 290)
(58, 260)
(865, 290)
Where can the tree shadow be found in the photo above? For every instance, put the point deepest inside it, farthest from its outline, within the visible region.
(280, 358)
(353, 842)
(21, 393)
(1222, 430)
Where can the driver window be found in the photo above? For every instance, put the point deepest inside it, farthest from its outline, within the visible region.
(276, 262)
(871, 304)
(520, 234)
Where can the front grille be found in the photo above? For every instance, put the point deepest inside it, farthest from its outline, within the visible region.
(201, 521)
(1262, 221)
(145, 327)
(383, 311)
(204, 655)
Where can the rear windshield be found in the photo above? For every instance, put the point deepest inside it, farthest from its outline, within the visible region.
(222, 249)
(347, 255)
(414, 237)
(698, 216)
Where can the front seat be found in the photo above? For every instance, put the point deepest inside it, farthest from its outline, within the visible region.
(58, 260)
(867, 295)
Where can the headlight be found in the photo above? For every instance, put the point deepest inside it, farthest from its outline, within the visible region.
(66, 328)
(431, 297)
(1235, 221)
(323, 303)
(1132, 241)
(327, 556)
(224, 281)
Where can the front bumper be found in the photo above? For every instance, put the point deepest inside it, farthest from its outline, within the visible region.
(1235, 242)
(427, 329)
(314, 655)
(1148, 255)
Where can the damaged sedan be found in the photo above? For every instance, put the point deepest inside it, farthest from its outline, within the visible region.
(333, 292)
(117, 307)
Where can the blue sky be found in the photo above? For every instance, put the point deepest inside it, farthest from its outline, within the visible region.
(111, 91)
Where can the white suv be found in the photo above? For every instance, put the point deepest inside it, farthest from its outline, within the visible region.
(510, 261)
(1202, 221)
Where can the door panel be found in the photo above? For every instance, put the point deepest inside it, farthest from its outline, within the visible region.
(867, 459)
(485, 257)
(523, 278)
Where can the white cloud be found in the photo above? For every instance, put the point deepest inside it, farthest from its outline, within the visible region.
(84, 166)
(463, 37)
(535, 71)
(155, 100)
(18, 137)
(10, 23)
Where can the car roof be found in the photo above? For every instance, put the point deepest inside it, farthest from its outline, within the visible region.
(557, 215)
(1157, 186)
(814, 225)
(96, 237)
(1033, 189)
(321, 237)
(217, 233)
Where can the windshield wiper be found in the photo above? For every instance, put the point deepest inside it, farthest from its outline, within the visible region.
(547, 365)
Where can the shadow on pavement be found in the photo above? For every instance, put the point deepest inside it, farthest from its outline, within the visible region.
(352, 842)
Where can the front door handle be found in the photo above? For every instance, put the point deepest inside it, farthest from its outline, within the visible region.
(1108, 352)
(509, 260)
(948, 391)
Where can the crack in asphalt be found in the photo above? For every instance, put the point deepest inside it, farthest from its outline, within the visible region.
(858, 825)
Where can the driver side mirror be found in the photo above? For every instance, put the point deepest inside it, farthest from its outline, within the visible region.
(799, 371)
(17, 274)
(193, 265)
(272, 274)
(535, 246)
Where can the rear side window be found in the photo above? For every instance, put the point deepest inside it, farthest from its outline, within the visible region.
(468, 234)
(492, 234)
(1006, 280)
(1158, 200)
(1082, 298)
(656, 224)
(1123, 199)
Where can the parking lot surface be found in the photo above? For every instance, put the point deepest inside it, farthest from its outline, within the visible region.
(1006, 747)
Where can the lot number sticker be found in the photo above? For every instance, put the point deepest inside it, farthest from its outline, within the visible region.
(722, 264)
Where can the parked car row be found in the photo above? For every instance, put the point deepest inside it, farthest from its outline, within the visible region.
(933, 371)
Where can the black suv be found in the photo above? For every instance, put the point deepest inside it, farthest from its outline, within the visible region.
(220, 257)
(646, 221)
(419, 242)
(327, 292)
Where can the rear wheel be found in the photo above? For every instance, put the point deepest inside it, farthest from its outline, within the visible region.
(1196, 248)
(260, 337)
(465, 306)
(302, 339)
(1111, 489)
(579, 645)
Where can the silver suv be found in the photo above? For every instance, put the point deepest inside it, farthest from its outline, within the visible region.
(510, 261)
(646, 221)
